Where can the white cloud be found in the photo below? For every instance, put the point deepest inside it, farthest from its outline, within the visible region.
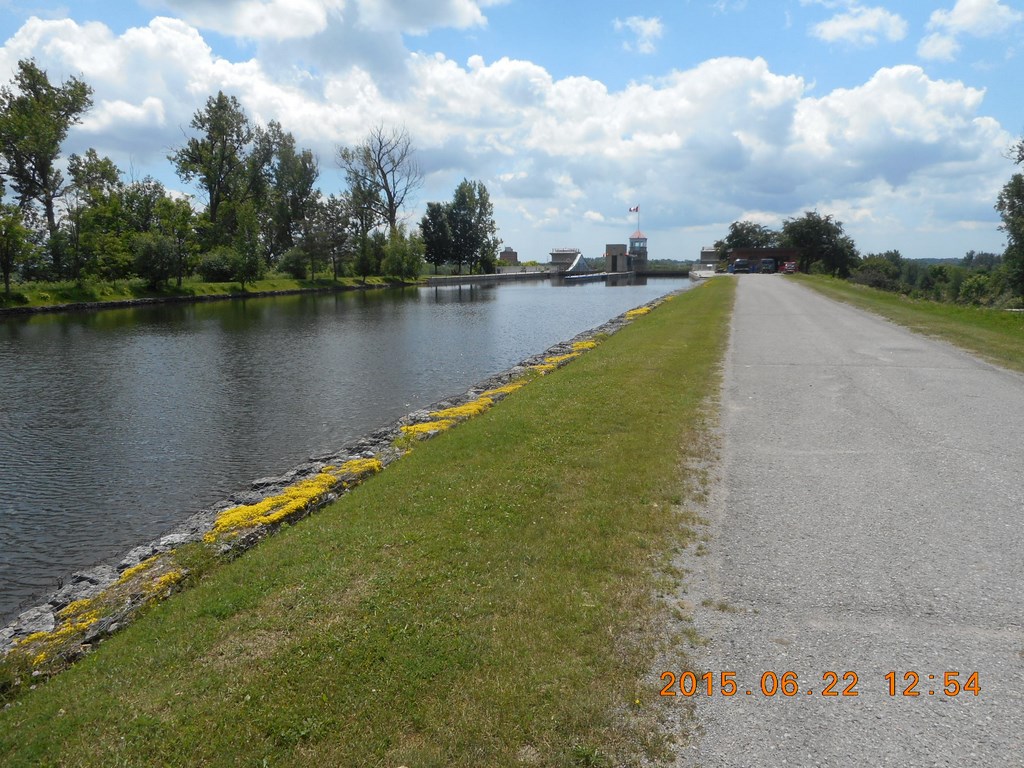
(975, 18)
(258, 19)
(646, 31)
(299, 19)
(699, 146)
(938, 47)
(862, 26)
(980, 18)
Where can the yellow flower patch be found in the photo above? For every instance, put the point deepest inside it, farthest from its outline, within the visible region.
(459, 412)
(637, 312)
(544, 367)
(561, 358)
(74, 609)
(128, 573)
(273, 509)
(508, 389)
(45, 645)
(166, 581)
(581, 346)
(360, 467)
(422, 430)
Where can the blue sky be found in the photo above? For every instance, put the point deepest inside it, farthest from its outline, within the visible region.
(893, 117)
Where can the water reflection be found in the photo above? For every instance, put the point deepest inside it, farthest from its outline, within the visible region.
(116, 424)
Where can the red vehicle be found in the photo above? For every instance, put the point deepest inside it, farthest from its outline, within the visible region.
(789, 268)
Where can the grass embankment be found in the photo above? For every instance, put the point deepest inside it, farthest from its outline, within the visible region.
(996, 335)
(57, 294)
(487, 600)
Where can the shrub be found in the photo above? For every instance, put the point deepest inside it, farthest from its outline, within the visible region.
(219, 265)
(294, 263)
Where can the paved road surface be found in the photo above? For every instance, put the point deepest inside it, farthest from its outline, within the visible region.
(870, 519)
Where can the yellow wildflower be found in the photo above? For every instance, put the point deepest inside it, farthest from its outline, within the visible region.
(273, 509)
(561, 358)
(169, 579)
(73, 609)
(580, 346)
(127, 573)
(509, 388)
(474, 408)
(360, 467)
(426, 427)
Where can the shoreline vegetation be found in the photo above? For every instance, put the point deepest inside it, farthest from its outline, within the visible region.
(996, 335)
(490, 599)
(72, 297)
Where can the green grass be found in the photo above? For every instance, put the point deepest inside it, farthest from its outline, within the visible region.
(996, 335)
(490, 599)
(54, 294)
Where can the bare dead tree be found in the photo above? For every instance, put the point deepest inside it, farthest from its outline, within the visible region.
(384, 163)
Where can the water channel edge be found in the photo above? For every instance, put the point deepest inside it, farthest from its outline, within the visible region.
(63, 611)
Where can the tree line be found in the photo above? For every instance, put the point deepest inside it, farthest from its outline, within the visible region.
(979, 278)
(823, 245)
(259, 206)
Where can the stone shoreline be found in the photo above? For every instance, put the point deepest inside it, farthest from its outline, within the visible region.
(379, 444)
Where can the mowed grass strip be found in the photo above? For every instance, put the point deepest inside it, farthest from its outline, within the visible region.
(487, 600)
(996, 335)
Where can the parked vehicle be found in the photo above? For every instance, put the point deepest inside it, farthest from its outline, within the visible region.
(789, 268)
(767, 267)
(741, 265)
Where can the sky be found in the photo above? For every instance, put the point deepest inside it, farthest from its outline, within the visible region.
(894, 118)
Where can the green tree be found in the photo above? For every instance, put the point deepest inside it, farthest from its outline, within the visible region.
(821, 240)
(94, 222)
(14, 242)
(384, 166)
(473, 231)
(361, 212)
(175, 221)
(292, 194)
(746, 234)
(154, 257)
(228, 160)
(330, 231)
(35, 117)
(248, 246)
(1011, 209)
(436, 232)
(403, 255)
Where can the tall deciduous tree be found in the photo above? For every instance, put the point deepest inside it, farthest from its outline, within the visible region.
(471, 221)
(175, 221)
(14, 243)
(93, 221)
(329, 231)
(35, 117)
(437, 235)
(820, 239)
(385, 165)
(1011, 209)
(219, 161)
(746, 234)
(292, 194)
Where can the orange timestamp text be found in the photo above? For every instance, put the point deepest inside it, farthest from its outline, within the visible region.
(832, 684)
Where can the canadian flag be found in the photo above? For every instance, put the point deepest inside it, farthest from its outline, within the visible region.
(635, 209)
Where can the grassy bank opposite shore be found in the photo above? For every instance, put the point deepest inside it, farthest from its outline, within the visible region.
(60, 297)
(489, 599)
(996, 335)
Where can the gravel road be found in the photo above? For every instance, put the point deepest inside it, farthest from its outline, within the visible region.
(869, 518)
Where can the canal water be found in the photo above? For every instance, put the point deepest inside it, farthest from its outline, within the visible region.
(115, 425)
